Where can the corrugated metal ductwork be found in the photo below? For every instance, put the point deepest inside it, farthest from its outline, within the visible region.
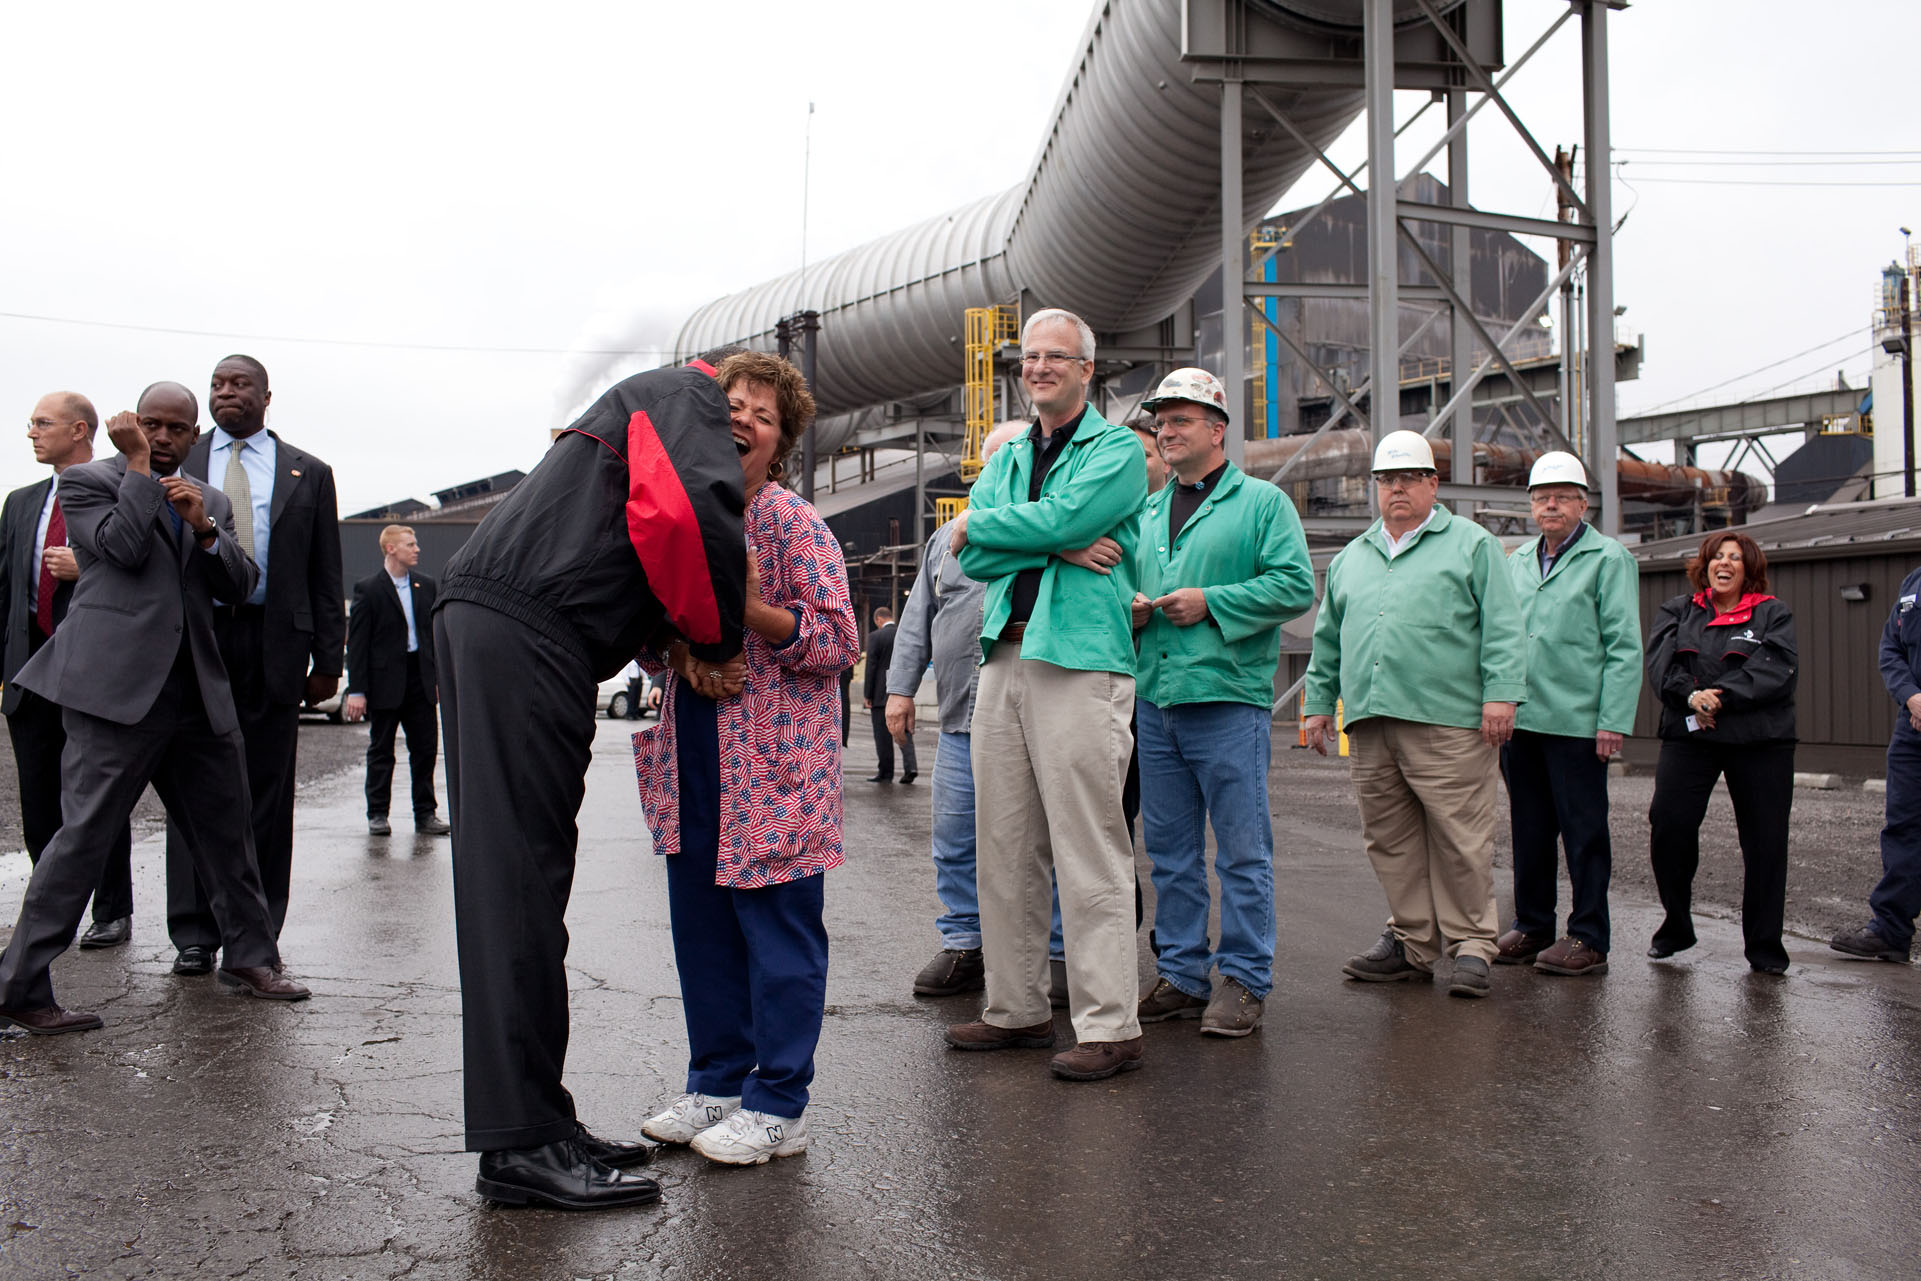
(1118, 220)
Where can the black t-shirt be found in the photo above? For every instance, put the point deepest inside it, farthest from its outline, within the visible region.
(1187, 499)
(1047, 450)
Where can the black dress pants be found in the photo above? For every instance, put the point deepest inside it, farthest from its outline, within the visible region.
(884, 744)
(1558, 793)
(420, 719)
(201, 778)
(519, 713)
(1761, 785)
(272, 734)
(38, 741)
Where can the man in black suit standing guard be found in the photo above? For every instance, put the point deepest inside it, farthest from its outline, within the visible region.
(37, 574)
(390, 678)
(880, 655)
(137, 670)
(294, 620)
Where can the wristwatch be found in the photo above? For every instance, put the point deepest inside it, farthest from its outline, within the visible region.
(212, 530)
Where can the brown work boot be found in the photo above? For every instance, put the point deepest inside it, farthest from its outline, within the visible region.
(1234, 1011)
(1097, 1060)
(1572, 956)
(1164, 1001)
(1516, 948)
(982, 1035)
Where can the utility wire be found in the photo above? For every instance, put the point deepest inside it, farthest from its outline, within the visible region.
(326, 342)
(1773, 182)
(1764, 164)
(1708, 151)
(1772, 364)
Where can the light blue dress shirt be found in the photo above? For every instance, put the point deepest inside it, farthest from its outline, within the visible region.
(258, 458)
(405, 586)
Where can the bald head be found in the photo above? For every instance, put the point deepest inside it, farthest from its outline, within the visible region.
(61, 429)
(178, 398)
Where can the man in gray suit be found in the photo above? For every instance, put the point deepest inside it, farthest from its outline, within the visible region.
(138, 671)
(37, 573)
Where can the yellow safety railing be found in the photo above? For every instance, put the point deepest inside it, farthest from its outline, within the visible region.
(986, 328)
(945, 509)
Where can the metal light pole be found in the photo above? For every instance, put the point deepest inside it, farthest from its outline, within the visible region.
(810, 365)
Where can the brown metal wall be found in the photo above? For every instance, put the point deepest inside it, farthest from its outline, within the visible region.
(1840, 700)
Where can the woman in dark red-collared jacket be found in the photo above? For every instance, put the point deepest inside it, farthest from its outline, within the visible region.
(1722, 662)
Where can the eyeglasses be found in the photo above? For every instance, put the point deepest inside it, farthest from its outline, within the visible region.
(1179, 422)
(1029, 359)
(1556, 500)
(1400, 479)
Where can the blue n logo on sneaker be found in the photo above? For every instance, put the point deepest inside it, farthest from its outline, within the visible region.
(774, 1133)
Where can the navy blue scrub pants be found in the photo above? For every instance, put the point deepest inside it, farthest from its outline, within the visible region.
(752, 962)
(1896, 901)
(1558, 791)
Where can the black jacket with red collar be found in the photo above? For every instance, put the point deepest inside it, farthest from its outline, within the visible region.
(632, 521)
(1748, 654)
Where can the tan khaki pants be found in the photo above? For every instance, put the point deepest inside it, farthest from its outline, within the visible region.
(1427, 813)
(1050, 751)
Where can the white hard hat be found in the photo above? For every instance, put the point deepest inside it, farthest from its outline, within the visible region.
(1557, 467)
(1196, 385)
(1403, 451)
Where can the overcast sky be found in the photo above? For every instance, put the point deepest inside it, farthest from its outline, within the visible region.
(387, 180)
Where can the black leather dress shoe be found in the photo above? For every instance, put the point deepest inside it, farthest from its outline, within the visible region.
(50, 1020)
(379, 827)
(564, 1175)
(108, 933)
(881, 778)
(909, 776)
(194, 960)
(617, 1153)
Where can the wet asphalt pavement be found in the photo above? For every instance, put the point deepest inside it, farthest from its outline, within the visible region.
(1679, 1119)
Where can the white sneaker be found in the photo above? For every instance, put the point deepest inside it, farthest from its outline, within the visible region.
(750, 1138)
(687, 1116)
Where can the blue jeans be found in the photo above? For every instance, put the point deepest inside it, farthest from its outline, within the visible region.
(960, 924)
(1202, 761)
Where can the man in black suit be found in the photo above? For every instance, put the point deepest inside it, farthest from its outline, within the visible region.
(37, 573)
(880, 654)
(137, 669)
(293, 621)
(390, 678)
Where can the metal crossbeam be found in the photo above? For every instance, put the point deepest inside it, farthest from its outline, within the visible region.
(1476, 72)
(1465, 388)
(1510, 223)
(1726, 422)
(1458, 126)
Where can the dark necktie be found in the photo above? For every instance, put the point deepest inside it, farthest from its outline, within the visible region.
(43, 603)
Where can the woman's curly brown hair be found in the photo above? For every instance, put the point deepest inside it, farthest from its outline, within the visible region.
(792, 400)
(1754, 562)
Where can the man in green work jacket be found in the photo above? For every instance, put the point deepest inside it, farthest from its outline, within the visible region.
(1420, 638)
(1049, 527)
(1222, 563)
(1580, 598)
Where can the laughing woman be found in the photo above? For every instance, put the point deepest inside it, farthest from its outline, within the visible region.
(1722, 663)
(741, 781)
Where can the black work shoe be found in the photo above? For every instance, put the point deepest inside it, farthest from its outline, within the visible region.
(432, 825)
(953, 971)
(881, 778)
(1470, 978)
(617, 1154)
(564, 1175)
(112, 933)
(1865, 943)
(909, 776)
(194, 960)
(1385, 962)
(379, 827)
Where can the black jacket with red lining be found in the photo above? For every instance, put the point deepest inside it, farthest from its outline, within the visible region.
(1751, 660)
(631, 525)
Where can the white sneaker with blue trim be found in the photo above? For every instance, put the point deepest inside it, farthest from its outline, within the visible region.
(687, 1116)
(753, 1138)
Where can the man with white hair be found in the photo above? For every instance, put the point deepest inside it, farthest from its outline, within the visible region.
(1052, 519)
(1580, 598)
(1420, 638)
